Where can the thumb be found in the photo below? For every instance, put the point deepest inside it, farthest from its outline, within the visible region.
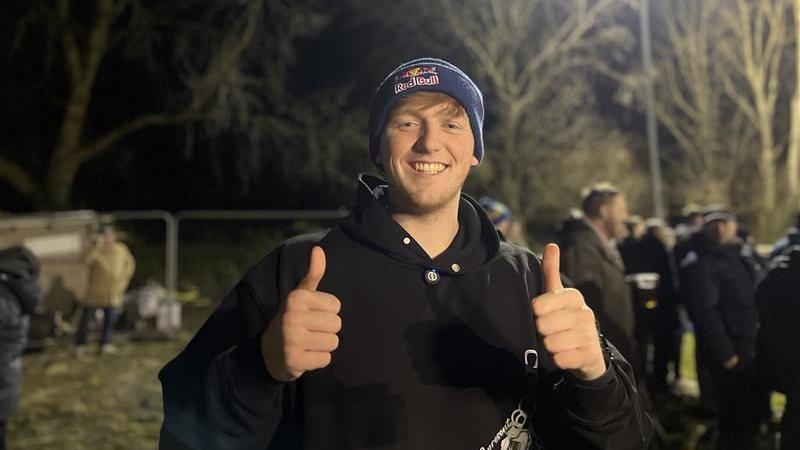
(551, 260)
(316, 270)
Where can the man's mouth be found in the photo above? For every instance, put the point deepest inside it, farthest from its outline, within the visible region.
(428, 168)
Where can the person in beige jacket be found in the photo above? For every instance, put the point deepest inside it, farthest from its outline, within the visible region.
(111, 266)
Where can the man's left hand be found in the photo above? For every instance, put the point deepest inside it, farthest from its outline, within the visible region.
(566, 323)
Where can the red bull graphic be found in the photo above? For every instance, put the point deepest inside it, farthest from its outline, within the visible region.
(416, 71)
(417, 76)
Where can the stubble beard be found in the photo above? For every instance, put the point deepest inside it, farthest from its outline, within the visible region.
(422, 201)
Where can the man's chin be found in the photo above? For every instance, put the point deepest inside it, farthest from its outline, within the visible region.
(422, 204)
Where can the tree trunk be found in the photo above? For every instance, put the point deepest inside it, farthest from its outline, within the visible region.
(793, 151)
(766, 166)
(512, 194)
(83, 67)
(60, 178)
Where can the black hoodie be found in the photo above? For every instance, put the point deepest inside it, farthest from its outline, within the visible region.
(431, 352)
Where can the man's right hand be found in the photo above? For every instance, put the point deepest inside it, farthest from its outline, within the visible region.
(302, 335)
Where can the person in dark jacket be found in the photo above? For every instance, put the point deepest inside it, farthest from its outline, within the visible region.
(19, 295)
(778, 361)
(591, 260)
(650, 265)
(409, 324)
(720, 286)
(791, 239)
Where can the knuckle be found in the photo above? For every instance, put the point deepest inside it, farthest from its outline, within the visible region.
(541, 326)
(295, 300)
(337, 323)
(334, 342)
(292, 320)
(292, 356)
(560, 360)
(325, 360)
(550, 343)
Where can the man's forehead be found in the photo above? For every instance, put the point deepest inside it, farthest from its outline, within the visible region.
(438, 103)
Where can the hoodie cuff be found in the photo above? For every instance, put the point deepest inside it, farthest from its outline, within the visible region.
(593, 400)
(246, 373)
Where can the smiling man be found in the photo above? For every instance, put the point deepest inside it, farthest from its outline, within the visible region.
(409, 325)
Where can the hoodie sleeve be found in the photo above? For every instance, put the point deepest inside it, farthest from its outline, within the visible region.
(605, 413)
(217, 391)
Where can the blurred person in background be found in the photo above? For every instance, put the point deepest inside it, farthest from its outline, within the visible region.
(509, 227)
(591, 260)
(791, 239)
(19, 294)
(778, 358)
(629, 245)
(720, 297)
(652, 271)
(111, 266)
(500, 215)
(692, 222)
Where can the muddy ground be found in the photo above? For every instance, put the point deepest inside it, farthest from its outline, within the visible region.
(109, 402)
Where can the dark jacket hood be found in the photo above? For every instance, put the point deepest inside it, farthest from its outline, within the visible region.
(703, 244)
(475, 245)
(18, 262)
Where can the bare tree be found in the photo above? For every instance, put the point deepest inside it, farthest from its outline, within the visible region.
(534, 58)
(793, 150)
(84, 46)
(752, 51)
(692, 105)
(229, 63)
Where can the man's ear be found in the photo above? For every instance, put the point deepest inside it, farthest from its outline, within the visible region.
(474, 161)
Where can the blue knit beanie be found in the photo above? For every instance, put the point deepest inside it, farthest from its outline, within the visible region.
(425, 74)
(498, 212)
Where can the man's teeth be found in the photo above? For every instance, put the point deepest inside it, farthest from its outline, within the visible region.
(429, 167)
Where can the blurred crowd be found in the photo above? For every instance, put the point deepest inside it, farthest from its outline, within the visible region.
(649, 283)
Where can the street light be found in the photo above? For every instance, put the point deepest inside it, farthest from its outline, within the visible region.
(652, 131)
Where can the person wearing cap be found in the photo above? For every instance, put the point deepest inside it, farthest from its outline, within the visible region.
(410, 324)
(498, 213)
(719, 293)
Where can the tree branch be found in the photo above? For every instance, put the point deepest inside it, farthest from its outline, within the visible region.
(72, 53)
(110, 138)
(18, 178)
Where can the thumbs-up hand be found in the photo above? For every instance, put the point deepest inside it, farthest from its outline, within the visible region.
(302, 335)
(566, 324)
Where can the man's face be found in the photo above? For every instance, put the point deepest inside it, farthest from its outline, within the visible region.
(727, 231)
(615, 214)
(427, 149)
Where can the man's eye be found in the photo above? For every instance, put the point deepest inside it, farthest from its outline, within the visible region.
(454, 125)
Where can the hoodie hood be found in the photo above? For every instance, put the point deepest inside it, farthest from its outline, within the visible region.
(476, 243)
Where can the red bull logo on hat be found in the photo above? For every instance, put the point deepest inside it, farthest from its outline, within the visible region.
(417, 76)
(416, 71)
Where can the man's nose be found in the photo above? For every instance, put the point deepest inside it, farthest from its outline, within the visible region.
(429, 140)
